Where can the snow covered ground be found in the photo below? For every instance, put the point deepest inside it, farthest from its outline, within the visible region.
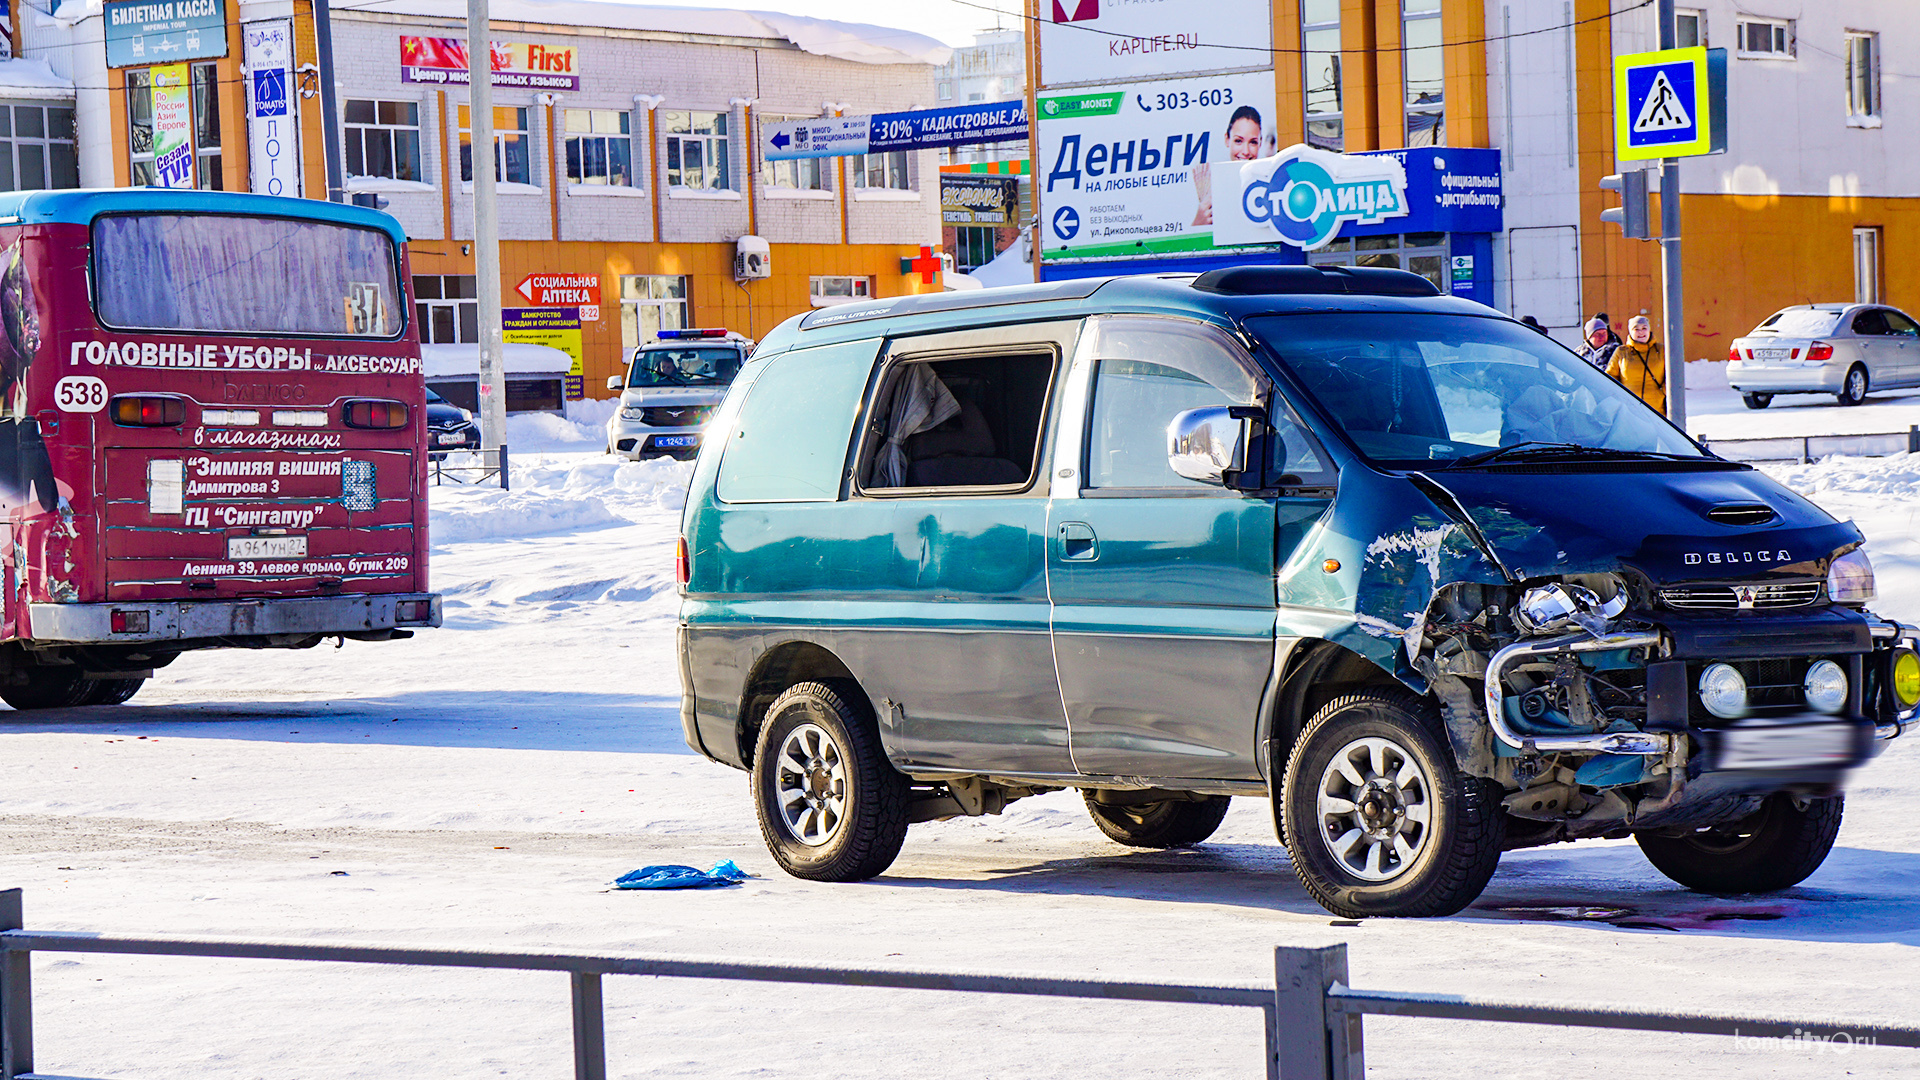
(479, 785)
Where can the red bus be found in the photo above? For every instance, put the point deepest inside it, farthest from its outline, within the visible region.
(211, 434)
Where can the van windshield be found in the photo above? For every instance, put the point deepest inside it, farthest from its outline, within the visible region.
(1417, 391)
(684, 367)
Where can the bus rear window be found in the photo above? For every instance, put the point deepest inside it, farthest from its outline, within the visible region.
(224, 274)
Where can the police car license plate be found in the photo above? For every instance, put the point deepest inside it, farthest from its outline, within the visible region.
(1772, 354)
(676, 440)
(1786, 746)
(266, 547)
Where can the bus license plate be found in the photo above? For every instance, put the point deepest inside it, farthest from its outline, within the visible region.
(676, 440)
(266, 547)
(1787, 746)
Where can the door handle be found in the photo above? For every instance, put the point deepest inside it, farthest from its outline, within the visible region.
(1078, 542)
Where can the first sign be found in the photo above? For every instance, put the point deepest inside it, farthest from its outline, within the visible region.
(1669, 104)
(142, 32)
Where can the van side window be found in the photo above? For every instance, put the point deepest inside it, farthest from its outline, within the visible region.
(960, 422)
(1149, 371)
(789, 441)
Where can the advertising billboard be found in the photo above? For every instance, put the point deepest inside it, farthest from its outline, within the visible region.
(1104, 41)
(1128, 170)
(172, 127)
(443, 61)
(142, 32)
(1306, 198)
(273, 132)
(966, 199)
(921, 129)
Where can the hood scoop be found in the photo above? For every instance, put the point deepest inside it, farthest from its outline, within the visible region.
(1742, 514)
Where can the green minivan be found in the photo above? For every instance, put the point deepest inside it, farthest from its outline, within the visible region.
(1398, 563)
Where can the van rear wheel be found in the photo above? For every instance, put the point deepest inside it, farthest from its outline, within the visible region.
(831, 807)
(1380, 819)
(1169, 823)
(1773, 848)
(48, 688)
(112, 691)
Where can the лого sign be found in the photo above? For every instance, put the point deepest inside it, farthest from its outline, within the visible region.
(1302, 195)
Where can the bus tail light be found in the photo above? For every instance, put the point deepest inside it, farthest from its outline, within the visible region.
(149, 411)
(128, 622)
(682, 565)
(412, 611)
(371, 413)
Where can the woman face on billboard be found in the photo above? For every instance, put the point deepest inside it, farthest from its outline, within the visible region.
(1243, 134)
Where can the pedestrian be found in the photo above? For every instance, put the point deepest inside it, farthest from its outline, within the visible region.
(1528, 320)
(1640, 364)
(1599, 348)
(1611, 336)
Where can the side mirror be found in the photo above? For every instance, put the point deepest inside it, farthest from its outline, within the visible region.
(1207, 444)
(614, 381)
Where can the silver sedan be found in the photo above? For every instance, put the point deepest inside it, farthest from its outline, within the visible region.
(1845, 350)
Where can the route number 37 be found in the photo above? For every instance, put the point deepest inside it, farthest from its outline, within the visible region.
(80, 393)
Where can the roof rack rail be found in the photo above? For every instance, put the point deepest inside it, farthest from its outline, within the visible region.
(1350, 280)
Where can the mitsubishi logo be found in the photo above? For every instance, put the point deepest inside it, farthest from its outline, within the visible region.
(1745, 595)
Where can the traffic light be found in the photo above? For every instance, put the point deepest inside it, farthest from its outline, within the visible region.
(1631, 215)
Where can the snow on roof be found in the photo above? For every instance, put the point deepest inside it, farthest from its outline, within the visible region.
(35, 75)
(463, 361)
(859, 42)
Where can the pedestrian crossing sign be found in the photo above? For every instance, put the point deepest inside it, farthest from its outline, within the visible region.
(1663, 104)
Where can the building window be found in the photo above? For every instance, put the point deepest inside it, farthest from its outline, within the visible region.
(1689, 28)
(203, 131)
(600, 147)
(973, 246)
(946, 91)
(802, 175)
(36, 148)
(886, 170)
(1863, 75)
(1320, 44)
(1423, 253)
(513, 146)
(383, 139)
(447, 309)
(826, 291)
(1866, 265)
(697, 151)
(1425, 66)
(1767, 39)
(650, 303)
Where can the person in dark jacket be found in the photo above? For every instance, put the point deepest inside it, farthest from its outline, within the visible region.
(1600, 347)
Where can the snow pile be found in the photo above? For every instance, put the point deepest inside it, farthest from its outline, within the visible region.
(1882, 497)
(583, 427)
(552, 493)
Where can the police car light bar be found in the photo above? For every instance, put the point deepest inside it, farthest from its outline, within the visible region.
(672, 335)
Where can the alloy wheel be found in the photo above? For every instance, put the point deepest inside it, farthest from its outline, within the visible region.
(1375, 805)
(810, 781)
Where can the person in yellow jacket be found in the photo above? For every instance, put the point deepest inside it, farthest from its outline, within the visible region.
(1640, 365)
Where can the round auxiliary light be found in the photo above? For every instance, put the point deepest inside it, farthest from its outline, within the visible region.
(1906, 679)
(1826, 686)
(1723, 691)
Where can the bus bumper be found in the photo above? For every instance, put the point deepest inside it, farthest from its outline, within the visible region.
(187, 620)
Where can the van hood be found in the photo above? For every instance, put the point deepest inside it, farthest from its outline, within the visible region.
(672, 396)
(1545, 521)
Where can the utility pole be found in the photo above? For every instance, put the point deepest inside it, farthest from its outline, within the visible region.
(329, 100)
(1671, 316)
(486, 226)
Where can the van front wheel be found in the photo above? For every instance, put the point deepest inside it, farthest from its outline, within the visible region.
(831, 808)
(1169, 823)
(1773, 848)
(1380, 820)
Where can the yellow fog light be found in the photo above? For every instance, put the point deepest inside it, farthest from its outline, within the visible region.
(1906, 679)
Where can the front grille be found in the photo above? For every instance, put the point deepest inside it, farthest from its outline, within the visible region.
(675, 416)
(1742, 514)
(1741, 597)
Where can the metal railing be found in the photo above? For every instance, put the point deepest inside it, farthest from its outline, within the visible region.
(1313, 1019)
(1809, 448)
(481, 472)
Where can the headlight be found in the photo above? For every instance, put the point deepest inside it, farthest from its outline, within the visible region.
(1826, 687)
(1850, 578)
(1723, 691)
(1906, 679)
(631, 412)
